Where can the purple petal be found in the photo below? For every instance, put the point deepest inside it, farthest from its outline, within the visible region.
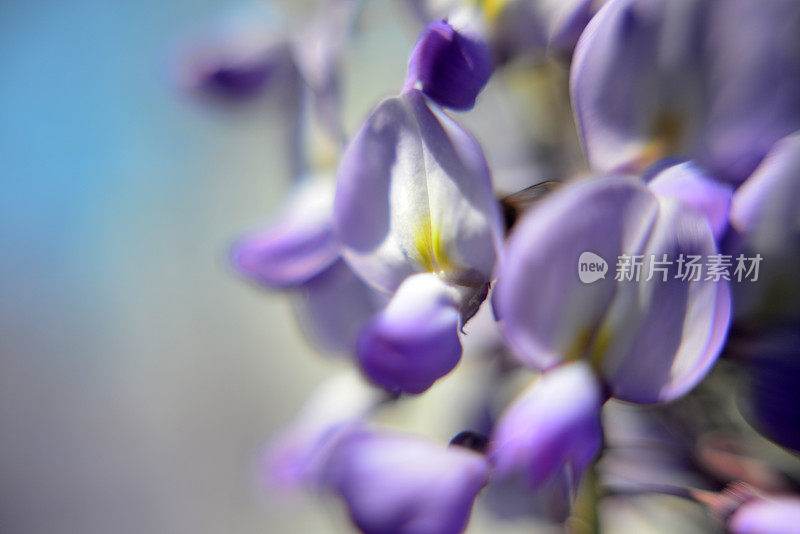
(636, 83)
(664, 336)
(772, 396)
(414, 341)
(518, 29)
(764, 213)
(652, 340)
(513, 497)
(538, 296)
(298, 247)
(553, 426)
(294, 457)
(641, 452)
(239, 59)
(754, 79)
(318, 50)
(395, 484)
(569, 23)
(687, 183)
(778, 515)
(765, 207)
(337, 305)
(715, 81)
(450, 66)
(414, 195)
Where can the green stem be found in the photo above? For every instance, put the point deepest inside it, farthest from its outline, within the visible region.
(585, 518)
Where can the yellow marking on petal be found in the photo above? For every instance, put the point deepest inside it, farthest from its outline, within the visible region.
(491, 9)
(579, 345)
(591, 344)
(430, 251)
(602, 342)
(665, 140)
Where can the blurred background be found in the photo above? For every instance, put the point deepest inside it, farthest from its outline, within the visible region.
(138, 376)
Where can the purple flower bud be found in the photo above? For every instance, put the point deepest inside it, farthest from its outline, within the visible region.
(414, 341)
(451, 66)
(777, 515)
(552, 428)
(396, 484)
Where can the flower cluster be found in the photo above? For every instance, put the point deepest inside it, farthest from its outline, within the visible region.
(413, 253)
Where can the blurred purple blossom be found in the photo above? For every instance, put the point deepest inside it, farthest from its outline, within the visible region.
(776, 515)
(552, 430)
(649, 341)
(397, 484)
(710, 80)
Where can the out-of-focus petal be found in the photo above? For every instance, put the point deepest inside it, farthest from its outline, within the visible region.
(396, 484)
(659, 338)
(777, 515)
(651, 340)
(538, 296)
(239, 58)
(754, 77)
(516, 29)
(636, 83)
(318, 50)
(449, 65)
(715, 81)
(687, 183)
(642, 453)
(414, 341)
(771, 400)
(553, 426)
(298, 247)
(764, 207)
(764, 213)
(414, 195)
(513, 497)
(568, 21)
(293, 457)
(337, 305)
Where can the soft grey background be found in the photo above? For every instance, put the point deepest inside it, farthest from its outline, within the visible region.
(138, 376)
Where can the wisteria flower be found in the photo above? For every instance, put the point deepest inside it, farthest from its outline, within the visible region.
(713, 81)
(399, 484)
(552, 430)
(650, 338)
(413, 197)
(299, 252)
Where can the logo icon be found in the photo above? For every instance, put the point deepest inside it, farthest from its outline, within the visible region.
(591, 267)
